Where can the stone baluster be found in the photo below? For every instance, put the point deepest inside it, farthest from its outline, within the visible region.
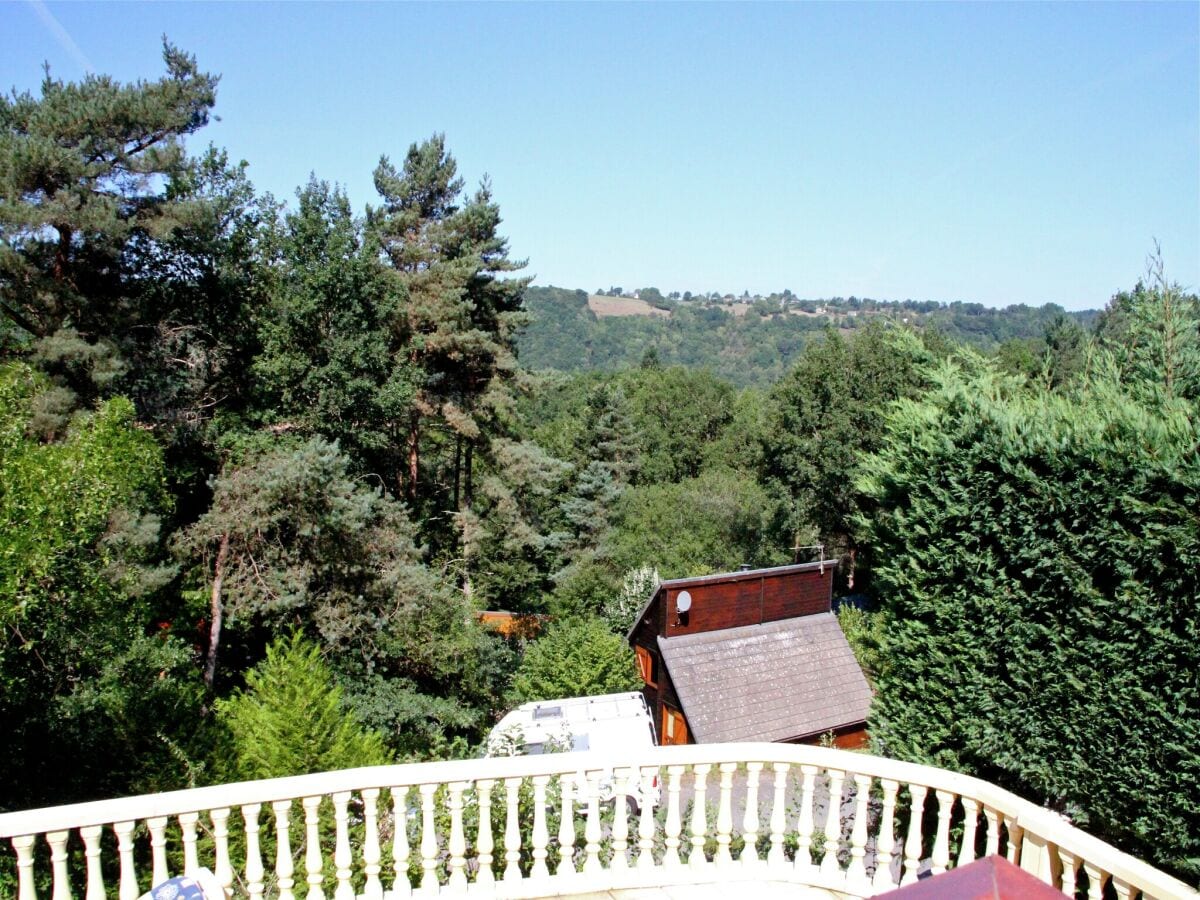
(912, 847)
(457, 843)
(512, 829)
(1096, 878)
(23, 845)
(591, 832)
(673, 826)
(371, 852)
(1070, 871)
(91, 852)
(804, 824)
(254, 865)
(858, 836)
(775, 856)
(887, 851)
(223, 868)
(188, 823)
(699, 823)
(484, 843)
(61, 889)
(540, 838)
(342, 860)
(1123, 888)
(645, 858)
(401, 886)
(833, 822)
(749, 855)
(312, 849)
(1015, 833)
(128, 886)
(284, 867)
(566, 827)
(966, 853)
(620, 829)
(992, 846)
(158, 850)
(940, 858)
(429, 841)
(723, 858)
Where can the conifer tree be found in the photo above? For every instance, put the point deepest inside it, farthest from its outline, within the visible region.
(1036, 559)
(452, 329)
(82, 174)
(291, 719)
(323, 367)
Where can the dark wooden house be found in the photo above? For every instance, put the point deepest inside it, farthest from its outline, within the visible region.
(754, 655)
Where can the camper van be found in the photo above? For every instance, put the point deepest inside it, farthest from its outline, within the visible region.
(611, 723)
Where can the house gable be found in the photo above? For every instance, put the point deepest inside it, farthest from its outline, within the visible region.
(704, 667)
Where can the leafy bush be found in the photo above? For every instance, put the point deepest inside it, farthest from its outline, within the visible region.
(580, 658)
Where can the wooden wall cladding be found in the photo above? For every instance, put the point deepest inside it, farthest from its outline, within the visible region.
(748, 601)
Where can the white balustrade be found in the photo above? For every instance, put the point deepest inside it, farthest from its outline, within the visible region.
(876, 835)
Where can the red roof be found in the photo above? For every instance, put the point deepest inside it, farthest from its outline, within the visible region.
(990, 878)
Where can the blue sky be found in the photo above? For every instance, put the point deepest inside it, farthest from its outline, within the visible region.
(1000, 153)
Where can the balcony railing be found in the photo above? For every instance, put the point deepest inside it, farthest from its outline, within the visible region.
(848, 823)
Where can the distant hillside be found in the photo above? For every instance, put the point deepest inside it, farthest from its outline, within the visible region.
(747, 340)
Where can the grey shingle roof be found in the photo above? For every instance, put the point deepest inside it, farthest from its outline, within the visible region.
(770, 682)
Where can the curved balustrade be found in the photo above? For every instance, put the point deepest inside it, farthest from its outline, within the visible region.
(847, 823)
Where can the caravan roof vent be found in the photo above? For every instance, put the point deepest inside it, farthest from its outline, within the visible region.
(548, 712)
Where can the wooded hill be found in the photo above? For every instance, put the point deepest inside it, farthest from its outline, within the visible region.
(749, 339)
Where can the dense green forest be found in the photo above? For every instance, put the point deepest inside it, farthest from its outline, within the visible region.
(754, 340)
(261, 457)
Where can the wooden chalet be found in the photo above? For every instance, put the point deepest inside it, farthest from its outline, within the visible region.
(753, 655)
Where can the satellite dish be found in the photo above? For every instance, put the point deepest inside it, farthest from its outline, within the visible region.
(683, 602)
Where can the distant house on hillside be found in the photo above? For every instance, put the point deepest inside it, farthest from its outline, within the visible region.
(754, 655)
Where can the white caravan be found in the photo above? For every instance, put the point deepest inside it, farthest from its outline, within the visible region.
(614, 723)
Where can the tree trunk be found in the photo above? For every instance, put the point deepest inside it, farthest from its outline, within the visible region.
(62, 252)
(468, 588)
(216, 612)
(457, 469)
(414, 458)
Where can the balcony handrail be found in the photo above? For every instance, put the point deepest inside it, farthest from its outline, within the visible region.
(1033, 830)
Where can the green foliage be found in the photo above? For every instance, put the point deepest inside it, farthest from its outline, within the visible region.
(86, 682)
(80, 176)
(1036, 558)
(675, 415)
(291, 720)
(324, 367)
(827, 413)
(863, 629)
(1152, 336)
(515, 531)
(711, 523)
(754, 349)
(578, 658)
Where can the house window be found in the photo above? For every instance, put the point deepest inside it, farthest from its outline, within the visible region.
(674, 728)
(647, 666)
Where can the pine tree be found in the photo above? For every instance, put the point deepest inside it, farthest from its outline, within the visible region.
(82, 170)
(291, 719)
(453, 326)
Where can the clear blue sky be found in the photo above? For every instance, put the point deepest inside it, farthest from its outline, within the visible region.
(1000, 153)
